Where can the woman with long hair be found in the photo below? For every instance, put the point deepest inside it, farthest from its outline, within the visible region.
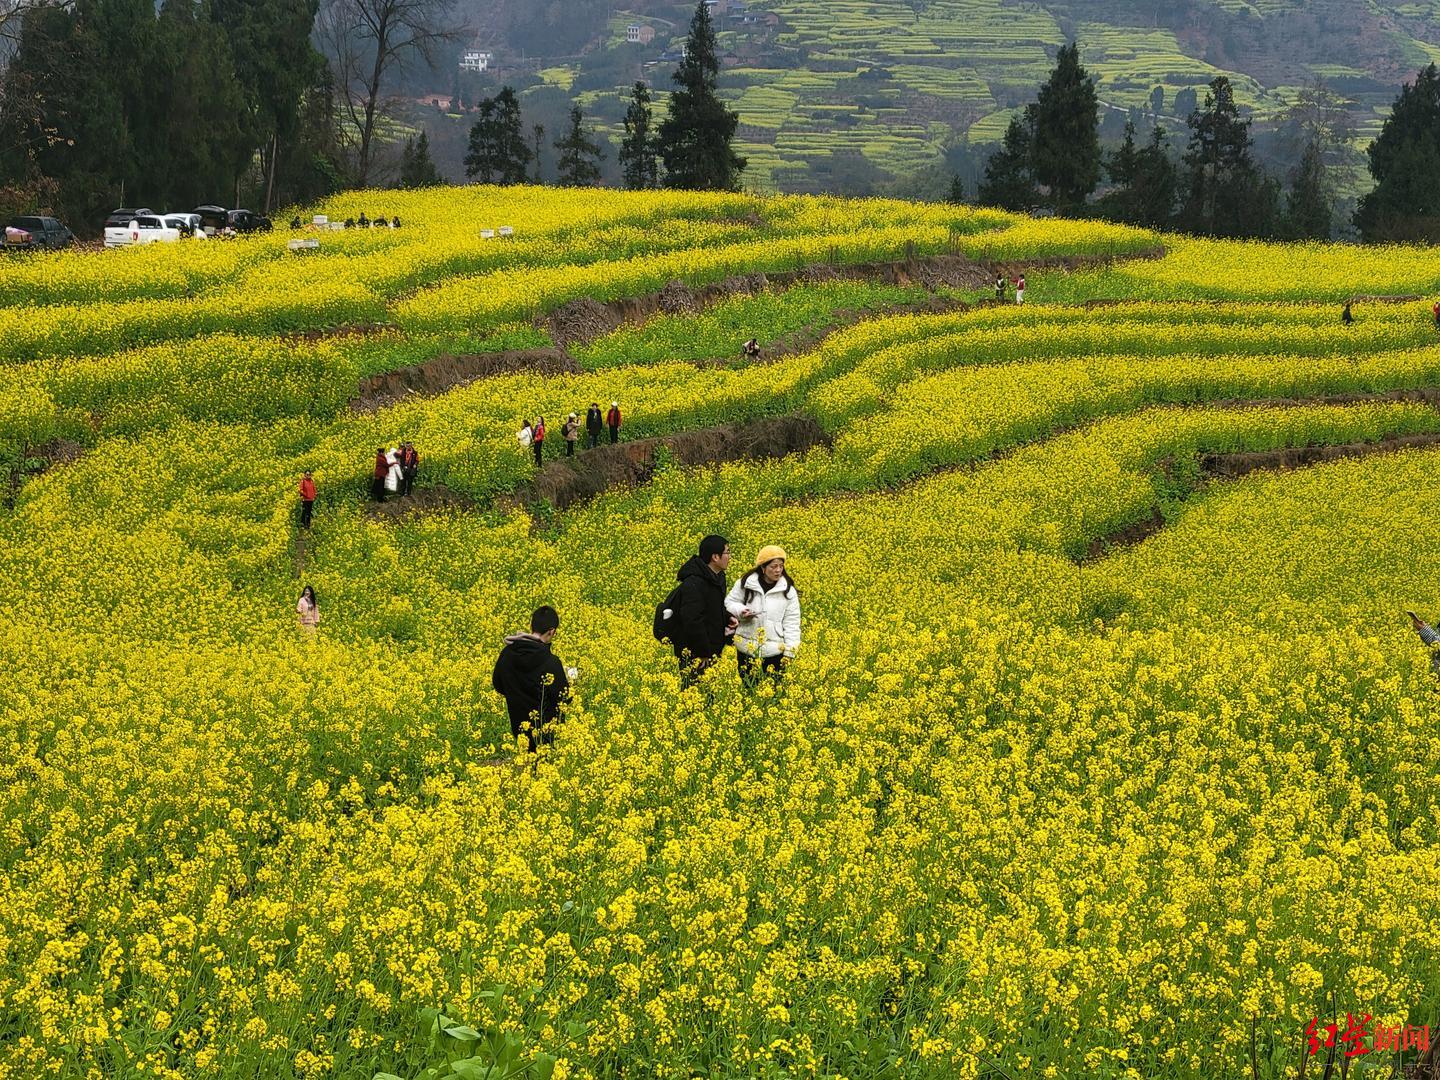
(307, 610)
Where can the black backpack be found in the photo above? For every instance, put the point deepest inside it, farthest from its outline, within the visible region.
(664, 629)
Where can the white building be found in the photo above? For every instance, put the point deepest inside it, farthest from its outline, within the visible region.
(476, 61)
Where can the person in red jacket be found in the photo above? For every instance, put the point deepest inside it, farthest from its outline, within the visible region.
(382, 470)
(307, 498)
(1437, 314)
(612, 421)
(538, 445)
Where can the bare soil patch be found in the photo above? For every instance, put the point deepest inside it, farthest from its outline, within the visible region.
(448, 372)
(568, 481)
(426, 500)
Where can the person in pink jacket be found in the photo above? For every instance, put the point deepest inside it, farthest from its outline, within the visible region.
(307, 610)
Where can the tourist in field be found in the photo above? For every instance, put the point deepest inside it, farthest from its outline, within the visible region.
(1000, 289)
(594, 424)
(1345, 315)
(1020, 289)
(612, 421)
(394, 477)
(395, 222)
(1429, 637)
(750, 350)
(532, 680)
(526, 435)
(570, 432)
(382, 470)
(307, 499)
(409, 467)
(1436, 311)
(307, 610)
(362, 220)
(701, 625)
(766, 606)
(537, 441)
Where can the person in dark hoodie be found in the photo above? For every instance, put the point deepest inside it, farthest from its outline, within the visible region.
(594, 424)
(704, 626)
(532, 680)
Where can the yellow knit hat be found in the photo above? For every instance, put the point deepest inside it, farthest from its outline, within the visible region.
(769, 553)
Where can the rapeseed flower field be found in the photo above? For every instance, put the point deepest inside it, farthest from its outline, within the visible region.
(1037, 797)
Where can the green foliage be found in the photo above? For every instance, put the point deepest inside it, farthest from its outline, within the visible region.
(498, 151)
(1009, 179)
(1309, 206)
(1145, 179)
(579, 154)
(697, 134)
(417, 169)
(1064, 125)
(1405, 161)
(1225, 191)
(638, 160)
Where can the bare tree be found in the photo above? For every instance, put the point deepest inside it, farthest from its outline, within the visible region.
(368, 42)
(12, 18)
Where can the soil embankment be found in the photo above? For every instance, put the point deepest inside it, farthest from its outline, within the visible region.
(1232, 466)
(568, 481)
(448, 372)
(423, 500)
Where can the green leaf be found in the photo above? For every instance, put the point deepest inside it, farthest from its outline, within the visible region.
(471, 1069)
(386, 1076)
(544, 1065)
(463, 1032)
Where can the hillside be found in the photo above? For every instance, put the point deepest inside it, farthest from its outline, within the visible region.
(851, 94)
(1103, 749)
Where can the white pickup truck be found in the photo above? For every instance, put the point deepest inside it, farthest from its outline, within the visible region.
(144, 229)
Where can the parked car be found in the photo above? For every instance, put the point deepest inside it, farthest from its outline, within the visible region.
(141, 230)
(125, 215)
(190, 225)
(221, 222)
(36, 233)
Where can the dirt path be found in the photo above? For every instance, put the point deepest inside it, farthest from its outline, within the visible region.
(1232, 466)
(423, 500)
(567, 481)
(448, 372)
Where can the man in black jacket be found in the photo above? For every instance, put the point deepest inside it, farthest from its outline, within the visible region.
(704, 624)
(532, 680)
(594, 424)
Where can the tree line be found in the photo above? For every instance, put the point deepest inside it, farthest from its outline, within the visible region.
(274, 102)
(691, 148)
(1051, 158)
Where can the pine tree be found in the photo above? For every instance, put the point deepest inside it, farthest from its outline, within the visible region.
(580, 155)
(1226, 193)
(637, 151)
(1065, 132)
(1405, 160)
(697, 133)
(1153, 204)
(1009, 182)
(537, 137)
(417, 168)
(1124, 164)
(956, 196)
(1309, 208)
(498, 152)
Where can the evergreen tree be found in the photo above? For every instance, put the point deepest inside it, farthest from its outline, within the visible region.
(1226, 193)
(1405, 160)
(1009, 182)
(1157, 103)
(537, 134)
(956, 196)
(1144, 179)
(637, 152)
(698, 130)
(498, 152)
(580, 155)
(1065, 132)
(417, 168)
(1309, 208)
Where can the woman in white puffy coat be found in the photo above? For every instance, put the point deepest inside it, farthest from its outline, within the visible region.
(767, 605)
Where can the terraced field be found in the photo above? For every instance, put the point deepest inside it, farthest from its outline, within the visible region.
(824, 85)
(1098, 758)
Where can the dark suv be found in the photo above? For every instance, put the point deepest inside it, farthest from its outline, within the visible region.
(247, 221)
(118, 219)
(32, 233)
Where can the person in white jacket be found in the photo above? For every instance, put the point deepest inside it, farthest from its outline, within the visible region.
(767, 605)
